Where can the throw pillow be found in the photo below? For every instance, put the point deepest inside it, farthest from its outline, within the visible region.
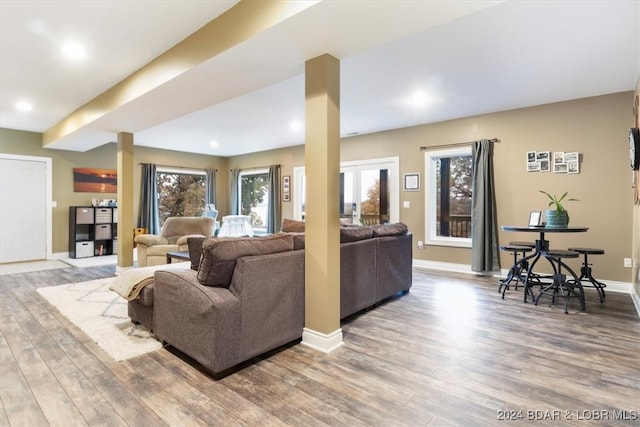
(292, 226)
(195, 250)
(219, 255)
(298, 240)
(353, 233)
(396, 229)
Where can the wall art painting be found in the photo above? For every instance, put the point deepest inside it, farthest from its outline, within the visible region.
(89, 180)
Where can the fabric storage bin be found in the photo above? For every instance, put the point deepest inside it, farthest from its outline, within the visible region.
(103, 232)
(84, 249)
(115, 215)
(103, 216)
(84, 215)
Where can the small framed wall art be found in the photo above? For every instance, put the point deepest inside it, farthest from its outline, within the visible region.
(411, 182)
(286, 188)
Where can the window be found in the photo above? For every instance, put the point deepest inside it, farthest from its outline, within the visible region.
(254, 197)
(180, 193)
(448, 203)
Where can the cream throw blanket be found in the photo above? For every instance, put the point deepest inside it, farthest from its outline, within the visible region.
(130, 283)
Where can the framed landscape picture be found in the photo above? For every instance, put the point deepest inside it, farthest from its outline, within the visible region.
(89, 180)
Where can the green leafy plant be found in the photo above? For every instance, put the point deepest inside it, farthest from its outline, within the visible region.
(557, 201)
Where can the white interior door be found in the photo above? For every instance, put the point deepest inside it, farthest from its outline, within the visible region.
(23, 210)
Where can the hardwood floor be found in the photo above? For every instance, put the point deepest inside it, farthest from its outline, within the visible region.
(450, 352)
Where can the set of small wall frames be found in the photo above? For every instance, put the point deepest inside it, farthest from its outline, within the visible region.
(560, 162)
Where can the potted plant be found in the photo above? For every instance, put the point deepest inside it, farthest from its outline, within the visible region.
(558, 217)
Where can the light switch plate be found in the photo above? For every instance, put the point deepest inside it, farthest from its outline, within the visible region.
(406, 204)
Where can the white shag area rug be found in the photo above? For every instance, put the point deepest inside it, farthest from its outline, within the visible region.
(102, 315)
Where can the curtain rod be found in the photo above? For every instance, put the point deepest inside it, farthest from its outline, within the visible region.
(255, 167)
(175, 167)
(459, 144)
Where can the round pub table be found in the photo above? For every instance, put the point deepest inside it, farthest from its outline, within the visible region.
(542, 246)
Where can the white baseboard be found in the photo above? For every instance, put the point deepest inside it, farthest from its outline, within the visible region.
(325, 343)
(444, 266)
(612, 286)
(60, 255)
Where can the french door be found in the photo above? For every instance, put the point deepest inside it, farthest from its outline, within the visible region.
(364, 194)
(368, 195)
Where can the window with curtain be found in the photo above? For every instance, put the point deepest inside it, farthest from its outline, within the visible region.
(181, 192)
(449, 189)
(253, 191)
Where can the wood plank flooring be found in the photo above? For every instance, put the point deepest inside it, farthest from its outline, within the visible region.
(450, 352)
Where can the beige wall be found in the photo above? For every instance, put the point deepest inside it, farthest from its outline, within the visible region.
(596, 127)
(104, 157)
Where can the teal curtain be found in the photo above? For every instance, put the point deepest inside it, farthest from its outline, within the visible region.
(274, 212)
(234, 194)
(210, 196)
(149, 215)
(484, 230)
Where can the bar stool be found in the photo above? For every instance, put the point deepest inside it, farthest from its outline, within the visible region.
(519, 266)
(585, 271)
(560, 283)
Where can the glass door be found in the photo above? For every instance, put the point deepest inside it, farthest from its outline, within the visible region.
(364, 194)
(369, 192)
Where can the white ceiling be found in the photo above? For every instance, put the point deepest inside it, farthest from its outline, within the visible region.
(470, 57)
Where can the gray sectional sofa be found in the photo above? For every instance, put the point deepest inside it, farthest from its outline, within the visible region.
(245, 296)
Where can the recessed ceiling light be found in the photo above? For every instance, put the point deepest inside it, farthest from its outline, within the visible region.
(214, 144)
(24, 106)
(296, 125)
(419, 99)
(74, 51)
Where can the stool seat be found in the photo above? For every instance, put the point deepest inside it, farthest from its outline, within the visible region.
(561, 253)
(515, 248)
(586, 278)
(589, 251)
(519, 243)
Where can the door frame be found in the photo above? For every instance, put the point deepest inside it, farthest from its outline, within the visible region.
(394, 182)
(49, 203)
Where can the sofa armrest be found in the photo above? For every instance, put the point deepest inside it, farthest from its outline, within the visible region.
(201, 321)
(183, 240)
(394, 260)
(271, 291)
(150, 239)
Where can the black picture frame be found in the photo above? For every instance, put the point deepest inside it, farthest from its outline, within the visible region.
(411, 181)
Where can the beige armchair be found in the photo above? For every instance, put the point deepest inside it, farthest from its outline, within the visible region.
(152, 249)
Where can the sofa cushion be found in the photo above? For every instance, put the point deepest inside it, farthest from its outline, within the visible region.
(292, 226)
(354, 233)
(219, 255)
(195, 250)
(396, 229)
(298, 240)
